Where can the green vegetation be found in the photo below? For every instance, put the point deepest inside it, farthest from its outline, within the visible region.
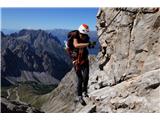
(4, 91)
(29, 92)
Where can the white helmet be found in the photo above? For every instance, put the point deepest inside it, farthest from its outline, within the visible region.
(84, 29)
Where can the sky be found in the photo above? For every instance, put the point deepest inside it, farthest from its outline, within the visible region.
(47, 18)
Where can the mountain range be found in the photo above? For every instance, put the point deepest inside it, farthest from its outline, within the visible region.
(32, 55)
(61, 35)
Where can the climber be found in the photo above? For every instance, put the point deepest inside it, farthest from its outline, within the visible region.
(78, 41)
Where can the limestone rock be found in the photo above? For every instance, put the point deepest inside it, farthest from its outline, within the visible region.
(135, 44)
(88, 109)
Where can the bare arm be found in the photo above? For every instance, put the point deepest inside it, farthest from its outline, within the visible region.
(79, 45)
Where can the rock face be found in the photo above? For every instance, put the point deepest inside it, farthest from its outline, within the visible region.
(125, 77)
(129, 75)
(33, 55)
(131, 42)
(16, 107)
(62, 99)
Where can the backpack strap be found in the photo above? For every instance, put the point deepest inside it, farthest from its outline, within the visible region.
(72, 51)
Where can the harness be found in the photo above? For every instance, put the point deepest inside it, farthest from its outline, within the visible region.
(80, 60)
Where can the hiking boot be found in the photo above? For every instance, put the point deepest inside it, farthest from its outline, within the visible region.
(82, 101)
(86, 94)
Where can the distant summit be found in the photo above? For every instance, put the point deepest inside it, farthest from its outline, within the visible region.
(33, 55)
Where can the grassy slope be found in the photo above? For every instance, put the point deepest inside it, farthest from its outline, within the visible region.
(28, 92)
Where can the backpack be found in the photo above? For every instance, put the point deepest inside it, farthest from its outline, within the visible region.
(71, 50)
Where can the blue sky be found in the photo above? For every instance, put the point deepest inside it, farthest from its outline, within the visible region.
(48, 18)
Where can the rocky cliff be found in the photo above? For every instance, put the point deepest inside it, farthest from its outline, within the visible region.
(125, 76)
(129, 61)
